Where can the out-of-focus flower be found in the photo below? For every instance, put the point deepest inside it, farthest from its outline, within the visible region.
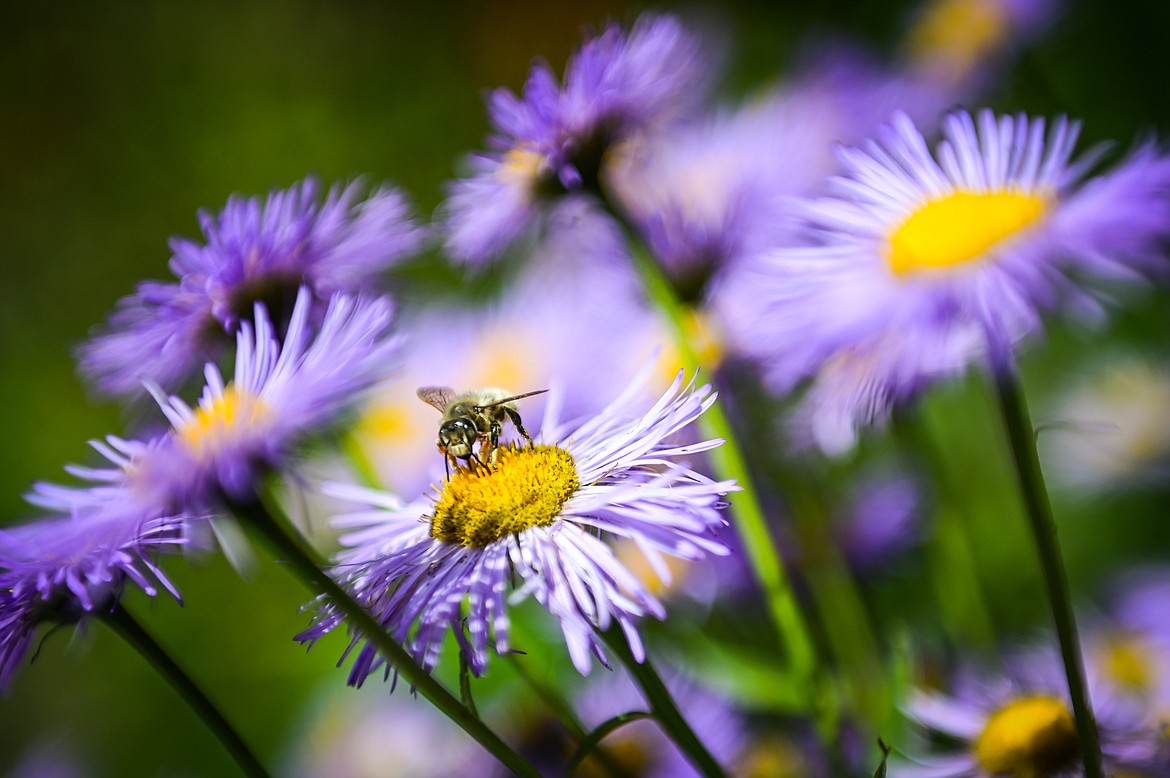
(382, 736)
(917, 262)
(555, 138)
(62, 570)
(1010, 732)
(954, 42)
(254, 252)
(640, 748)
(281, 395)
(539, 518)
(881, 519)
(49, 760)
(1112, 428)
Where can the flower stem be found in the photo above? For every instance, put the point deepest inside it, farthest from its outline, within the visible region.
(662, 704)
(1022, 438)
(304, 566)
(144, 643)
(728, 462)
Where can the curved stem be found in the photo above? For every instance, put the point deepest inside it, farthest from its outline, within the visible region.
(304, 566)
(1022, 438)
(144, 643)
(592, 742)
(662, 704)
(728, 462)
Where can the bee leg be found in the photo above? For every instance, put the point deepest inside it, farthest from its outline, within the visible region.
(494, 440)
(514, 417)
(478, 462)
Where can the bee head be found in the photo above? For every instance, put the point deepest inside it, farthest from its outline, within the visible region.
(456, 437)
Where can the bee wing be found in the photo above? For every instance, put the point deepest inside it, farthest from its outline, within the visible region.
(437, 396)
(510, 399)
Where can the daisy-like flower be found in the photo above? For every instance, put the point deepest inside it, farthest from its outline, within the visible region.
(60, 570)
(555, 138)
(281, 394)
(915, 262)
(255, 251)
(953, 40)
(540, 520)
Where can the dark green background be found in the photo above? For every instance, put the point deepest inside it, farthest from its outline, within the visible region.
(119, 120)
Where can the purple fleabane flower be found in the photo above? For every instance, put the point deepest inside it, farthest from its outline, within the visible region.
(1008, 729)
(62, 569)
(555, 138)
(539, 518)
(916, 263)
(281, 394)
(255, 251)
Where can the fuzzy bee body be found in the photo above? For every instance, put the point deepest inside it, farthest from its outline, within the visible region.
(472, 417)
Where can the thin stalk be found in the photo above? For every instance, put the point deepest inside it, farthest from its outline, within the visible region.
(144, 643)
(1022, 438)
(304, 566)
(728, 462)
(565, 714)
(662, 704)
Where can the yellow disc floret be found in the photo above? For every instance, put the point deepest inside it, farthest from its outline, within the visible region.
(1031, 737)
(528, 487)
(235, 409)
(1128, 663)
(960, 228)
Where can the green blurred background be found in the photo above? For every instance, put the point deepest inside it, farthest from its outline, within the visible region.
(119, 120)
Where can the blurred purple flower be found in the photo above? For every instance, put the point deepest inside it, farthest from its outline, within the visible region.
(916, 262)
(62, 569)
(555, 138)
(255, 251)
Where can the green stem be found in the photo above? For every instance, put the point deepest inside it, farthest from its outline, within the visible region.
(592, 741)
(662, 704)
(1022, 438)
(564, 713)
(144, 643)
(728, 463)
(309, 570)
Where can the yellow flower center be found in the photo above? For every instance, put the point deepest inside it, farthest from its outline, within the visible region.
(957, 33)
(1033, 737)
(705, 341)
(520, 167)
(233, 410)
(1128, 663)
(527, 488)
(959, 228)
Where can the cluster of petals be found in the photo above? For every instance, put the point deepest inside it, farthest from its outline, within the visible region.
(63, 568)
(254, 251)
(631, 485)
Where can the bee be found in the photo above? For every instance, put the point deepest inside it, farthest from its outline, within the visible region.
(471, 417)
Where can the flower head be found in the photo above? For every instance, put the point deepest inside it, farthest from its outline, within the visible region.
(555, 138)
(539, 518)
(254, 252)
(916, 263)
(64, 568)
(280, 395)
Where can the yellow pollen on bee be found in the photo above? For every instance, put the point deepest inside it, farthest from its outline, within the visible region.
(959, 228)
(528, 487)
(1030, 737)
(234, 409)
(520, 167)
